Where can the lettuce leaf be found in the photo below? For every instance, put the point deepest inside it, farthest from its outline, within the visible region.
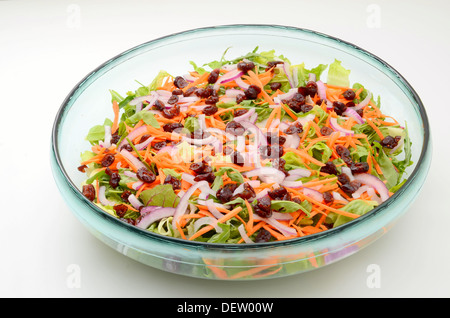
(338, 75)
(358, 206)
(161, 195)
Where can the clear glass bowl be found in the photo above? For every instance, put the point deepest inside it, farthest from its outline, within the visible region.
(90, 102)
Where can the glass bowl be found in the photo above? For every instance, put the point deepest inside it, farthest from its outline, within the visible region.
(90, 102)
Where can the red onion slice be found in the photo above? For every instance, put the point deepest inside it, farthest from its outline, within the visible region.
(301, 173)
(207, 220)
(373, 195)
(134, 201)
(292, 141)
(375, 183)
(348, 172)
(316, 195)
(261, 139)
(292, 184)
(228, 77)
(281, 216)
(267, 174)
(334, 124)
(130, 174)
(241, 83)
(153, 216)
(137, 185)
(364, 102)
(244, 235)
(338, 196)
(184, 201)
(102, 197)
(144, 144)
(200, 142)
(352, 113)
(312, 77)
(245, 116)
(287, 71)
(135, 161)
(212, 208)
(321, 90)
(285, 230)
(232, 92)
(132, 135)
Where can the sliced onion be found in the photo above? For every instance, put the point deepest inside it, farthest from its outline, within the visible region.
(232, 92)
(287, 71)
(357, 194)
(241, 83)
(137, 185)
(334, 124)
(285, 96)
(184, 201)
(228, 77)
(134, 201)
(135, 161)
(245, 116)
(281, 216)
(266, 174)
(199, 142)
(188, 178)
(352, 113)
(240, 188)
(140, 100)
(108, 136)
(373, 195)
(300, 172)
(316, 195)
(102, 197)
(212, 208)
(285, 230)
(364, 102)
(144, 144)
(312, 77)
(375, 183)
(154, 216)
(292, 141)
(207, 220)
(132, 135)
(262, 193)
(295, 76)
(292, 184)
(306, 119)
(130, 174)
(189, 78)
(348, 172)
(261, 140)
(338, 196)
(244, 235)
(321, 90)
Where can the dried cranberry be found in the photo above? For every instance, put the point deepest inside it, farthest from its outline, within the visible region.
(82, 168)
(240, 98)
(311, 88)
(271, 151)
(349, 94)
(125, 194)
(247, 193)
(127, 147)
(209, 177)
(159, 145)
(344, 153)
(252, 92)
(343, 178)
(210, 110)
(205, 92)
(390, 142)
(329, 168)
(189, 91)
(240, 112)
(339, 107)
(360, 112)
(88, 191)
(145, 176)
(212, 100)
(296, 200)
(263, 206)
(200, 134)
(245, 66)
(121, 210)
(237, 159)
(350, 104)
(180, 82)
(159, 105)
(177, 92)
(225, 193)
(172, 112)
(279, 193)
(359, 167)
(328, 197)
(306, 108)
(198, 167)
(272, 64)
(114, 180)
(170, 127)
(172, 99)
(213, 76)
(351, 186)
(115, 138)
(326, 131)
(235, 128)
(295, 128)
(263, 236)
(129, 221)
(279, 164)
(107, 160)
(275, 86)
(176, 184)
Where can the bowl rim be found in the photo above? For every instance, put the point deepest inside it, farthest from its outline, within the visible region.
(295, 241)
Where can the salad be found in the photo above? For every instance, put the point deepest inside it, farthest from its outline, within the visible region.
(245, 150)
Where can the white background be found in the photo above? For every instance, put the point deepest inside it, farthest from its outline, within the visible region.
(46, 47)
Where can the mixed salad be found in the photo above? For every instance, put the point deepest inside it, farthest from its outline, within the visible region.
(245, 150)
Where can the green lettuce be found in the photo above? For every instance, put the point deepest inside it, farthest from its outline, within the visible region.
(338, 75)
(160, 195)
